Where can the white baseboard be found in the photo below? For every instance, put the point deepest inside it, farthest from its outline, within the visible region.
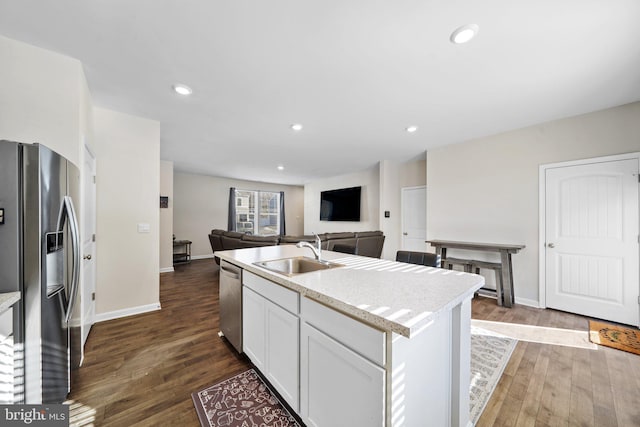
(522, 301)
(528, 302)
(117, 314)
(167, 270)
(202, 256)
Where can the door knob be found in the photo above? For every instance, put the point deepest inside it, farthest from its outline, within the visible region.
(405, 234)
(551, 245)
(87, 256)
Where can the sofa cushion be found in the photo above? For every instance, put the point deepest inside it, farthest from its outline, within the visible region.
(296, 239)
(233, 234)
(343, 235)
(271, 240)
(217, 231)
(368, 233)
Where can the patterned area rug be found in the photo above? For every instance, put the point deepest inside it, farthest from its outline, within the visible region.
(241, 401)
(490, 353)
(619, 337)
(246, 401)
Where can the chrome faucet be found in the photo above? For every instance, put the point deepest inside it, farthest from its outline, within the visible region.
(317, 249)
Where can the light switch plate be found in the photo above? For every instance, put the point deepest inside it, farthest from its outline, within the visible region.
(144, 228)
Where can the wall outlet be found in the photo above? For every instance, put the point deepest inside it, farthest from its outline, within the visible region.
(144, 228)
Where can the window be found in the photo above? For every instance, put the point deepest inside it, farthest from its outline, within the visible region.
(258, 212)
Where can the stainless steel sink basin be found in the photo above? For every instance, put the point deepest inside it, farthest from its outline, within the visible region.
(296, 265)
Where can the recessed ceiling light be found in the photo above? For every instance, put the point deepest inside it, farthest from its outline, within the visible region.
(182, 89)
(464, 33)
(280, 167)
(296, 126)
(412, 129)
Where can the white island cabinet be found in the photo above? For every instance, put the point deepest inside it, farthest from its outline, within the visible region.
(339, 384)
(371, 343)
(270, 327)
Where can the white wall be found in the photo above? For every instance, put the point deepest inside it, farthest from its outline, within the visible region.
(368, 179)
(42, 97)
(128, 189)
(201, 203)
(486, 190)
(393, 177)
(166, 217)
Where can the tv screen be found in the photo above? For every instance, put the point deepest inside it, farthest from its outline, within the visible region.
(340, 205)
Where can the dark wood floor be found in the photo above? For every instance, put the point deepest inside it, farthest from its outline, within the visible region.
(141, 370)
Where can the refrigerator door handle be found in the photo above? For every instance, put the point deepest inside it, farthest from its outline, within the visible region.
(69, 212)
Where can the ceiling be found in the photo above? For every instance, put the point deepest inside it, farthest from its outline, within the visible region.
(354, 73)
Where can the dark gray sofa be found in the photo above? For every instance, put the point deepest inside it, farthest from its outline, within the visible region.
(365, 243)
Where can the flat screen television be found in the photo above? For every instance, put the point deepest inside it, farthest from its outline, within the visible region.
(340, 205)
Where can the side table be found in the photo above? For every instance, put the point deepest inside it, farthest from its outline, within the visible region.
(181, 251)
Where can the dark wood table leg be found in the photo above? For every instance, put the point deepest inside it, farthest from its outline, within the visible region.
(443, 254)
(507, 279)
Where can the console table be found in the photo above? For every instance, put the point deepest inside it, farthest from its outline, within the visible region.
(504, 250)
(181, 251)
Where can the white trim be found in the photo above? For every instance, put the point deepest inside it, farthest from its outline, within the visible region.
(202, 256)
(542, 210)
(117, 314)
(528, 302)
(167, 270)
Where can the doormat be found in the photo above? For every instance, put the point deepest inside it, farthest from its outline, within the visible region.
(618, 337)
(241, 401)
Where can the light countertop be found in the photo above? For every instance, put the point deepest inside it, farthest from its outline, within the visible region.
(7, 299)
(392, 296)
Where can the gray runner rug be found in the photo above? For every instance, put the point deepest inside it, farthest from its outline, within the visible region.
(490, 353)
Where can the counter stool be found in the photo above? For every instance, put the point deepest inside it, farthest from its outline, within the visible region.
(419, 258)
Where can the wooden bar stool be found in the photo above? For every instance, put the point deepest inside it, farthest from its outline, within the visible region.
(497, 267)
(465, 263)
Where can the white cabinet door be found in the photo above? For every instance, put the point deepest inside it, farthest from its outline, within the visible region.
(271, 341)
(338, 387)
(282, 353)
(253, 327)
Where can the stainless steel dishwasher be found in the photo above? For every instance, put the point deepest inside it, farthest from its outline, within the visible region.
(231, 304)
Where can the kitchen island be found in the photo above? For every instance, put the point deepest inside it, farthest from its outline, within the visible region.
(371, 342)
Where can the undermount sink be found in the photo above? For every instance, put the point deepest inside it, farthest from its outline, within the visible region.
(296, 265)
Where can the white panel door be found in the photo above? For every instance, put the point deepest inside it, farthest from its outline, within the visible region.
(88, 219)
(414, 218)
(592, 240)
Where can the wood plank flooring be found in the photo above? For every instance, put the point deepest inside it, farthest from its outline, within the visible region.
(552, 385)
(141, 370)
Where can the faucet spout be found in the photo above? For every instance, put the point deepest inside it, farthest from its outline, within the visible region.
(317, 250)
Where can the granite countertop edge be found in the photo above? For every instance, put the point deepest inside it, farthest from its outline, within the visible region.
(244, 258)
(7, 299)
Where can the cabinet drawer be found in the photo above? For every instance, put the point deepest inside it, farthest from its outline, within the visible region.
(363, 339)
(285, 298)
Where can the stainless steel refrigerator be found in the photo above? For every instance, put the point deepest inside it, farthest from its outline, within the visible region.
(40, 257)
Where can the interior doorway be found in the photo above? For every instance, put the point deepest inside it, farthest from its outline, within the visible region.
(414, 218)
(589, 237)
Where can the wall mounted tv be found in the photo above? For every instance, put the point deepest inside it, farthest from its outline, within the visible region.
(340, 205)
